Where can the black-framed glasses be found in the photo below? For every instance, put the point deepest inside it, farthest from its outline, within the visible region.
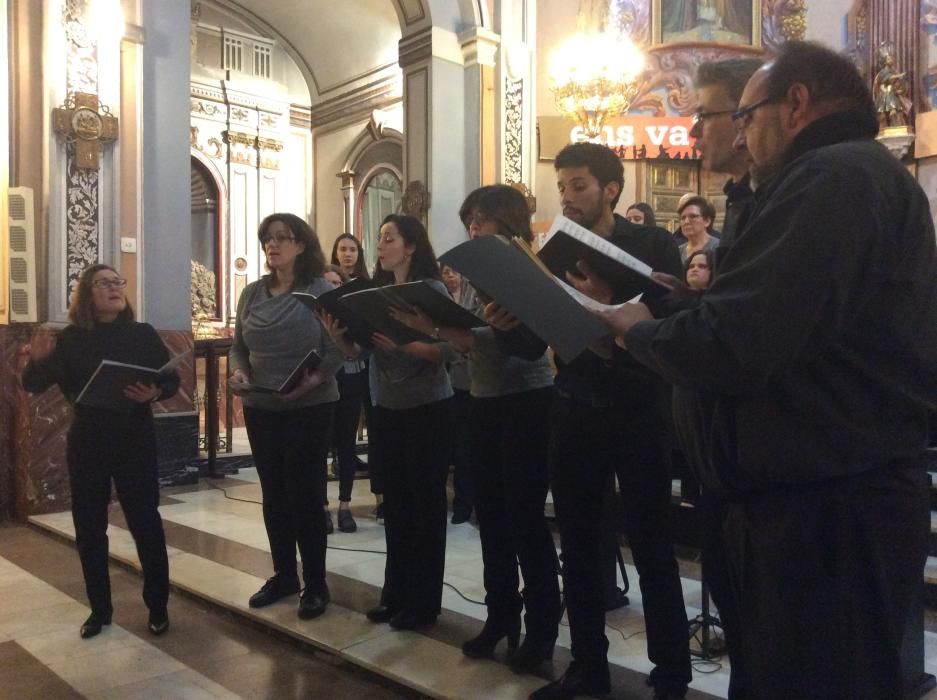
(114, 283)
(279, 239)
(743, 117)
(699, 116)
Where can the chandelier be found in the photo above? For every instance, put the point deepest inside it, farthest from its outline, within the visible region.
(594, 76)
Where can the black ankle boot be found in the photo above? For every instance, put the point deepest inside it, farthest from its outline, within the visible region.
(495, 629)
(531, 654)
(94, 623)
(158, 622)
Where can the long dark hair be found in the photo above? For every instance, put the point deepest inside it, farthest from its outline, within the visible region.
(710, 261)
(311, 262)
(81, 309)
(507, 207)
(423, 264)
(649, 218)
(360, 270)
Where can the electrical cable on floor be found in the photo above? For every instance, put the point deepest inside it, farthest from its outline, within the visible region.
(340, 549)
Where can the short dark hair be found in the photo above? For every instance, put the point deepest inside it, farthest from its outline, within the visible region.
(311, 262)
(602, 162)
(829, 77)
(423, 264)
(706, 208)
(650, 218)
(710, 260)
(467, 210)
(732, 74)
(360, 269)
(81, 309)
(508, 208)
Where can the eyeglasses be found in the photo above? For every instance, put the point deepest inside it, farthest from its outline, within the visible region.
(700, 116)
(279, 239)
(743, 117)
(114, 283)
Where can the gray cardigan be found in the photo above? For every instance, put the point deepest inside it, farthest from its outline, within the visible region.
(272, 334)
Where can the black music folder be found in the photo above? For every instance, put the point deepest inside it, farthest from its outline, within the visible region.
(359, 330)
(567, 243)
(308, 363)
(510, 273)
(105, 388)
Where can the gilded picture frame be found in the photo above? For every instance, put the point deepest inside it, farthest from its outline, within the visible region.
(721, 22)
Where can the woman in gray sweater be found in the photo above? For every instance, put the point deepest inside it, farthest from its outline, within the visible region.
(412, 396)
(511, 385)
(289, 433)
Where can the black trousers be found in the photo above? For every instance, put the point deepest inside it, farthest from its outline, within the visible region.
(290, 449)
(509, 466)
(129, 458)
(461, 451)
(413, 450)
(587, 444)
(353, 389)
(822, 577)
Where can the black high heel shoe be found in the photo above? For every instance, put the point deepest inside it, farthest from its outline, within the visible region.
(483, 646)
(531, 654)
(159, 622)
(94, 623)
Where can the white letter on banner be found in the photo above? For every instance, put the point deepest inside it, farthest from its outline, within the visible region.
(656, 134)
(679, 136)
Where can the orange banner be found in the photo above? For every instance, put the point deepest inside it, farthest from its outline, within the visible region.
(632, 138)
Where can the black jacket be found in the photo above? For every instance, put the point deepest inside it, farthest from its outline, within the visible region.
(818, 340)
(622, 381)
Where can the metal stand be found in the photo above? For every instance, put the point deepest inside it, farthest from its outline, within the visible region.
(701, 628)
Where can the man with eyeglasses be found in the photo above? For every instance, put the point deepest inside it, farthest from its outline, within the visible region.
(818, 343)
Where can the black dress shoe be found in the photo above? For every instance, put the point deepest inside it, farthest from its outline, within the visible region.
(94, 623)
(495, 629)
(159, 622)
(405, 620)
(531, 654)
(460, 515)
(274, 589)
(346, 521)
(313, 602)
(576, 681)
(381, 613)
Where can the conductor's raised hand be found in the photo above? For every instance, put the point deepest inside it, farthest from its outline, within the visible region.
(500, 318)
(589, 283)
(311, 379)
(141, 393)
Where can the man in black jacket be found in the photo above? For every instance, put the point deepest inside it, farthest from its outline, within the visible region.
(818, 341)
(610, 416)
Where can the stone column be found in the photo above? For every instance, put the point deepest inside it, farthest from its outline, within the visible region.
(348, 199)
(479, 51)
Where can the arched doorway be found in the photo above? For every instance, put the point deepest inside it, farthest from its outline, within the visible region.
(206, 253)
(380, 196)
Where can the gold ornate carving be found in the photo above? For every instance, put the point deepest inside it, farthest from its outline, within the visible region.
(239, 113)
(783, 20)
(217, 145)
(85, 122)
(416, 199)
(193, 139)
(268, 144)
(239, 138)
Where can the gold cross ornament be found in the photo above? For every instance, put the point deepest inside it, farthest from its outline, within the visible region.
(82, 120)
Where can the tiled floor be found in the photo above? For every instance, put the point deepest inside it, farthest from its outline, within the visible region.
(219, 553)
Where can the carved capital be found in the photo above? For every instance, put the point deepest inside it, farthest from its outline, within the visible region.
(416, 200)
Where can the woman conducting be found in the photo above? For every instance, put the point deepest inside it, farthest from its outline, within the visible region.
(102, 327)
(289, 433)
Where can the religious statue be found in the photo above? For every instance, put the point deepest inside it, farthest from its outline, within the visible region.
(889, 89)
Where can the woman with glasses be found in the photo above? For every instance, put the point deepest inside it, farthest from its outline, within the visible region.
(102, 327)
(697, 215)
(289, 433)
(412, 398)
(511, 385)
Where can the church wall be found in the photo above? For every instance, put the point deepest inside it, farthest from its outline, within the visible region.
(447, 125)
(166, 235)
(331, 148)
(826, 21)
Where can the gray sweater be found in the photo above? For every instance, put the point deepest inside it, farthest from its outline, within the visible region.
(271, 337)
(492, 371)
(400, 381)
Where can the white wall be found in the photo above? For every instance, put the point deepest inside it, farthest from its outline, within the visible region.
(330, 150)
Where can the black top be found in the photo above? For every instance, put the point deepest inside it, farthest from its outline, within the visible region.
(818, 338)
(78, 353)
(621, 381)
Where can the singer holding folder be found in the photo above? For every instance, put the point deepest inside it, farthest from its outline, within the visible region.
(102, 327)
(289, 433)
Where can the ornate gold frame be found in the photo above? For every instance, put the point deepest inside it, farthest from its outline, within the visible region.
(657, 31)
